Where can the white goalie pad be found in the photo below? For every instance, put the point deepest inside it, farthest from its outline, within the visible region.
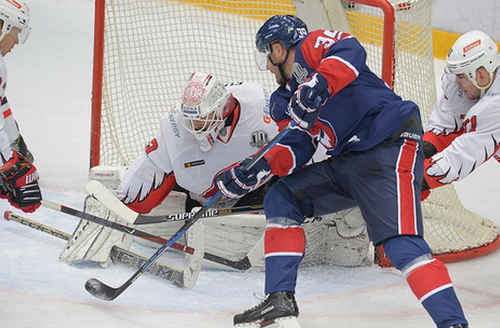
(347, 242)
(334, 239)
(173, 204)
(93, 242)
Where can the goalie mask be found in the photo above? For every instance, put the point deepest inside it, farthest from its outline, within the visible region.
(14, 14)
(204, 107)
(471, 51)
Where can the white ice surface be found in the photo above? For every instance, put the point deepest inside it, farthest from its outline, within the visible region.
(49, 90)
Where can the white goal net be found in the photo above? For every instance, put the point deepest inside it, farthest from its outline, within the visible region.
(146, 49)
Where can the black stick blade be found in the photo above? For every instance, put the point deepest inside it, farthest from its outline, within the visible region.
(101, 290)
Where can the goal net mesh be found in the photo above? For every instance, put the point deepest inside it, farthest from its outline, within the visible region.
(151, 47)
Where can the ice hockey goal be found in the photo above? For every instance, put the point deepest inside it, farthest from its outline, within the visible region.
(146, 49)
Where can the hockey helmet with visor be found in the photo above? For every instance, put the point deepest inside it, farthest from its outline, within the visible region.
(288, 30)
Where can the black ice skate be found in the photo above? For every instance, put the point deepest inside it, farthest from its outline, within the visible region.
(279, 309)
(460, 326)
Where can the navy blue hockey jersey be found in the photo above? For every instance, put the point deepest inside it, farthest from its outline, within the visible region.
(361, 112)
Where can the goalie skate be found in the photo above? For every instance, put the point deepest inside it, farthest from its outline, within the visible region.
(278, 310)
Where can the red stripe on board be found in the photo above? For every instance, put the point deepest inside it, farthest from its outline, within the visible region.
(289, 239)
(428, 278)
(406, 192)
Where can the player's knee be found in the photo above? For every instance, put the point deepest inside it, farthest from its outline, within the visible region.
(280, 202)
(405, 251)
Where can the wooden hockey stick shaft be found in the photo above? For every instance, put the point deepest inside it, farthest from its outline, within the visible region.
(107, 293)
(118, 255)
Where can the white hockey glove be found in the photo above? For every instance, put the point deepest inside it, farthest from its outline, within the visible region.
(93, 242)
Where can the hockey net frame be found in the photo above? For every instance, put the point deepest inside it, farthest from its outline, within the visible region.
(128, 100)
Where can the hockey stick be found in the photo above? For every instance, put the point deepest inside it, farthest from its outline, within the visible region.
(213, 212)
(108, 293)
(113, 225)
(109, 200)
(243, 264)
(181, 278)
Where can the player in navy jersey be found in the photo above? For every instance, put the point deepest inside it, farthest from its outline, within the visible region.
(374, 141)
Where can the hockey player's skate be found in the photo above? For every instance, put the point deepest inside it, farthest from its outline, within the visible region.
(279, 310)
(460, 326)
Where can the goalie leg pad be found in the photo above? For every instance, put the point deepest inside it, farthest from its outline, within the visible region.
(93, 242)
(339, 238)
(174, 203)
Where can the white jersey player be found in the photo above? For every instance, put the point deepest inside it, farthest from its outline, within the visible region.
(212, 128)
(463, 131)
(18, 176)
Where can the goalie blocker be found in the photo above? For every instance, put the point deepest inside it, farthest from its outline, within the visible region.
(336, 239)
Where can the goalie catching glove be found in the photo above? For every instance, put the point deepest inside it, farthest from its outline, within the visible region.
(20, 183)
(235, 182)
(308, 99)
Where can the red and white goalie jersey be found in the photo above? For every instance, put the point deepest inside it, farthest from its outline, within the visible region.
(8, 129)
(465, 132)
(174, 156)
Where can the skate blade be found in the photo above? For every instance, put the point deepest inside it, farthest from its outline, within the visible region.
(285, 322)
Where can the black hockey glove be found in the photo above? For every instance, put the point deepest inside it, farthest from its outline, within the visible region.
(21, 178)
(429, 149)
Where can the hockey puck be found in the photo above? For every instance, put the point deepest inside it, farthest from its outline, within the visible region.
(6, 215)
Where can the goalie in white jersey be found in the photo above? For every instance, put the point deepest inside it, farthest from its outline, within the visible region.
(463, 131)
(18, 176)
(213, 127)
